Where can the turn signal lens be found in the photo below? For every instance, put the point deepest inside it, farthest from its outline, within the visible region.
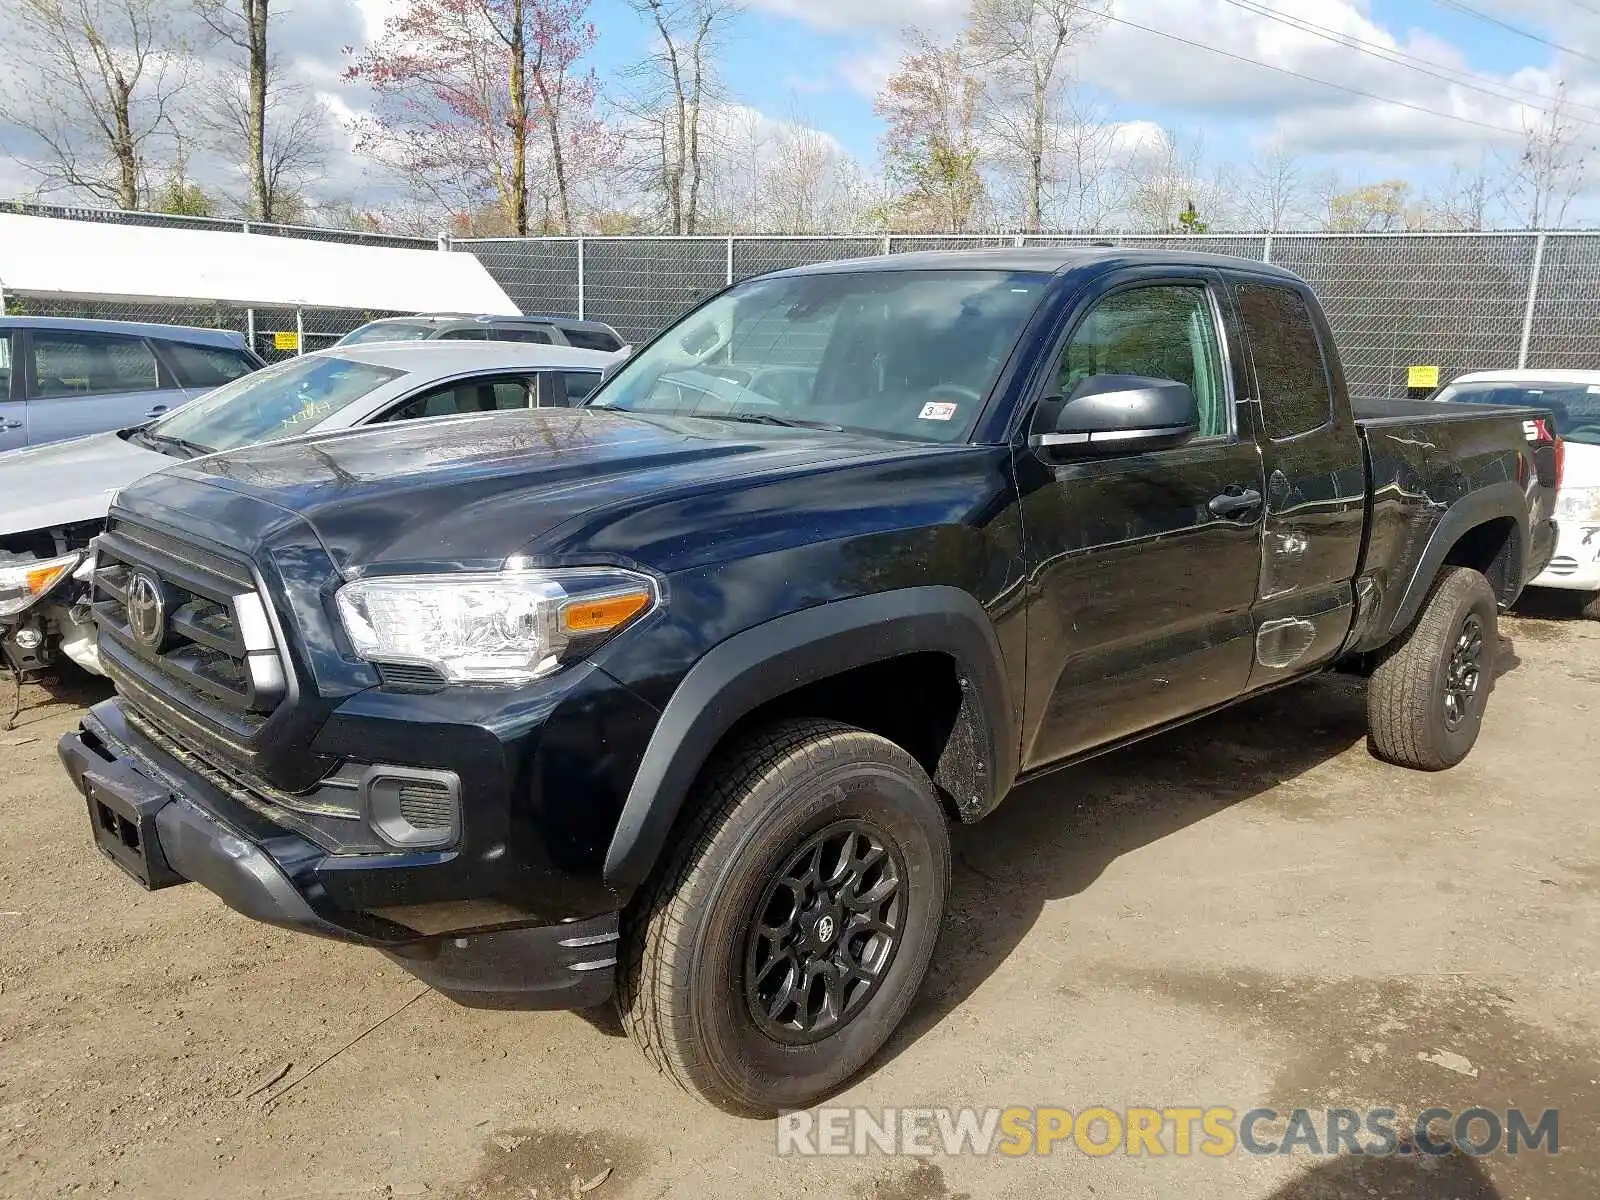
(44, 578)
(604, 613)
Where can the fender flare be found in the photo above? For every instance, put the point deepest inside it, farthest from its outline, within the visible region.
(779, 656)
(1496, 502)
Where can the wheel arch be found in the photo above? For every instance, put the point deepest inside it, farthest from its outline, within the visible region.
(785, 657)
(1487, 531)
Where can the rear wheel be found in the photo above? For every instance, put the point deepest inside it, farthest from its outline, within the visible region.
(789, 930)
(1591, 606)
(1427, 697)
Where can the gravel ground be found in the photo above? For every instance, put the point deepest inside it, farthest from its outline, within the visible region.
(1251, 911)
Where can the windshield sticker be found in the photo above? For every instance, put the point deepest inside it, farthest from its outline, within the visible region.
(938, 412)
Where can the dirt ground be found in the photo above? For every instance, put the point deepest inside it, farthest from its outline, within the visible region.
(1248, 912)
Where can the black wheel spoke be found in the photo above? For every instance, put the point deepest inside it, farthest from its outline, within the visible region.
(1464, 672)
(824, 933)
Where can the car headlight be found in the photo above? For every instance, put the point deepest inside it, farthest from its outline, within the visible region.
(23, 583)
(501, 628)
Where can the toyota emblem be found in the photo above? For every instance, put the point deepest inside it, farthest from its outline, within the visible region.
(147, 610)
(825, 930)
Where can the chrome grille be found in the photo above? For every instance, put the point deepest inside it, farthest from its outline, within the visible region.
(184, 624)
(1563, 566)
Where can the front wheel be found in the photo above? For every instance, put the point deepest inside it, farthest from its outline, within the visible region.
(787, 934)
(1427, 697)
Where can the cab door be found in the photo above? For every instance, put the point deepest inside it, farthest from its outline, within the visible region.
(1316, 480)
(13, 412)
(1143, 567)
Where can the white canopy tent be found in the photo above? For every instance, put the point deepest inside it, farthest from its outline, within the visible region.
(84, 260)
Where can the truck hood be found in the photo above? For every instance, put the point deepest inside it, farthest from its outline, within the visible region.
(65, 482)
(470, 492)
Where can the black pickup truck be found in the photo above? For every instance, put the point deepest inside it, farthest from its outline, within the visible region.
(672, 698)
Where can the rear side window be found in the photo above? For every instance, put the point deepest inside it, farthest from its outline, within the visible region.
(91, 364)
(5, 366)
(468, 396)
(1291, 373)
(476, 334)
(509, 333)
(592, 339)
(580, 384)
(206, 366)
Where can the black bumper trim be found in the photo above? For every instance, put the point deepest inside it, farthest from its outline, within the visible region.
(545, 967)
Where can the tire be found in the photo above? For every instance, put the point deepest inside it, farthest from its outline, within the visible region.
(1591, 606)
(690, 944)
(1425, 703)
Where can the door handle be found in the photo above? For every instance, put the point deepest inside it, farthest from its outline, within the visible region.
(156, 411)
(10, 424)
(1235, 504)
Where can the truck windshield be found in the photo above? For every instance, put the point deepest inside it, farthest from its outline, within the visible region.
(279, 402)
(1576, 406)
(902, 354)
(387, 331)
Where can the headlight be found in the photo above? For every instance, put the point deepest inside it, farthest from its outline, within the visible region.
(23, 583)
(508, 627)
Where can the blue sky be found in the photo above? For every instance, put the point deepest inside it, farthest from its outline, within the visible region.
(777, 61)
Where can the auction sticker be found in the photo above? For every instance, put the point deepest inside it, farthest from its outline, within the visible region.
(935, 411)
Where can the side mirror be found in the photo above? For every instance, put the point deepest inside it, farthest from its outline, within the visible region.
(1118, 414)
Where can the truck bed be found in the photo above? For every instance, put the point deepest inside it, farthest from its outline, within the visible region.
(1384, 410)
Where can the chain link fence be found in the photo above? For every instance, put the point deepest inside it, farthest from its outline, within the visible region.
(1459, 302)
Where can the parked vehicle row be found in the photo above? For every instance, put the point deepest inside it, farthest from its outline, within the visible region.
(540, 331)
(62, 378)
(57, 495)
(672, 698)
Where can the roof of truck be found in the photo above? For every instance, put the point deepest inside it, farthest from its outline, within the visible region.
(1055, 260)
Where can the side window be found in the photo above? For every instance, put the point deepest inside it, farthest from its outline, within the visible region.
(5, 366)
(1164, 332)
(508, 333)
(470, 396)
(580, 384)
(1291, 372)
(465, 335)
(592, 339)
(206, 366)
(89, 364)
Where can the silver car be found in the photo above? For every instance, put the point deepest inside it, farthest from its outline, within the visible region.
(61, 377)
(54, 499)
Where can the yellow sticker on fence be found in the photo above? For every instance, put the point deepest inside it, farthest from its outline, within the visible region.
(1423, 377)
(291, 341)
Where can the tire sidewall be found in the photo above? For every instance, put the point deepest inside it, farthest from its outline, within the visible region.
(1454, 745)
(769, 1074)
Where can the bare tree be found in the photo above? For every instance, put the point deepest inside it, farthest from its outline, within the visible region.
(931, 149)
(1274, 192)
(1089, 188)
(274, 129)
(94, 82)
(1162, 176)
(1463, 200)
(1549, 172)
(673, 88)
(1024, 48)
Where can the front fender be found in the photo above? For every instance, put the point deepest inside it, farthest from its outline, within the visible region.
(777, 657)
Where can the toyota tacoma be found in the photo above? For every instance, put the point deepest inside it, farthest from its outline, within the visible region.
(672, 699)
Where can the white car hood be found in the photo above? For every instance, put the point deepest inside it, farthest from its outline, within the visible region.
(63, 482)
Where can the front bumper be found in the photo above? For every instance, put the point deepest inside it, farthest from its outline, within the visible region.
(1575, 566)
(165, 825)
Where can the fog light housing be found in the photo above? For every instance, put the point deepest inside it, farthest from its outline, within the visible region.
(412, 809)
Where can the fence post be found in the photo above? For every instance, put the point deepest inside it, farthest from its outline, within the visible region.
(1533, 300)
(299, 331)
(581, 298)
(250, 328)
(730, 260)
(444, 241)
(246, 226)
(887, 243)
(1266, 253)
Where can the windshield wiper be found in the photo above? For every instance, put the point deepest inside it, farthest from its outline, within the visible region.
(774, 419)
(156, 440)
